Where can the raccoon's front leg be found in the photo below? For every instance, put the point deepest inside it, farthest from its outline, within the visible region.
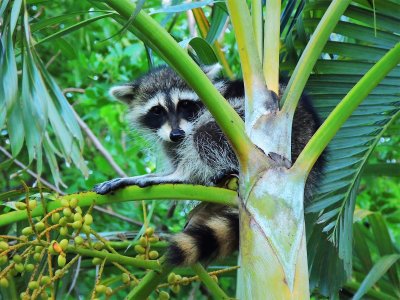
(142, 181)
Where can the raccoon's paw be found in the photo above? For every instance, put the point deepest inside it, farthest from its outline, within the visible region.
(109, 186)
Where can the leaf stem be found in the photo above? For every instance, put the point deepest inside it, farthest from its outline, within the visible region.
(134, 193)
(209, 282)
(310, 55)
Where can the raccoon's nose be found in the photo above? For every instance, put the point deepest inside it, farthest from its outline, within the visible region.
(176, 135)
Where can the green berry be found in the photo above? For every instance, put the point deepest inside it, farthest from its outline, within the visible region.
(27, 231)
(78, 210)
(4, 283)
(163, 295)
(58, 273)
(19, 267)
(109, 291)
(40, 226)
(44, 296)
(73, 202)
(171, 278)
(51, 248)
(86, 229)
(29, 267)
(101, 288)
(64, 202)
(125, 278)
(55, 218)
(149, 231)
(17, 258)
(67, 212)
(78, 217)
(63, 244)
(63, 221)
(143, 241)
(3, 260)
(153, 254)
(45, 280)
(96, 260)
(98, 245)
(3, 245)
(32, 204)
(175, 288)
(61, 260)
(20, 205)
(77, 224)
(153, 239)
(88, 219)
(139, 249)
(64, 230)
(185, 281)
(33, 285)
(38, 249)
(78, 240)
(36, 257)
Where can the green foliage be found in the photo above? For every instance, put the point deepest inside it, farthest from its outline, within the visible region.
(74, 53)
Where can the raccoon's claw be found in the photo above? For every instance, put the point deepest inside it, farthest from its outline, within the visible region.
(109, 186)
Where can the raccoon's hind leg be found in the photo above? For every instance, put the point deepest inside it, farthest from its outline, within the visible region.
(211, 231)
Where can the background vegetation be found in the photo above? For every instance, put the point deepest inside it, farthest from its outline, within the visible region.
(86, 52)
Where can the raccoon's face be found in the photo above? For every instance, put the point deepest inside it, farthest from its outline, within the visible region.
(161, 103)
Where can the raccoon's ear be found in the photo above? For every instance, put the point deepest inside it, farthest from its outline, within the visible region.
(125, 93)
(212, 71)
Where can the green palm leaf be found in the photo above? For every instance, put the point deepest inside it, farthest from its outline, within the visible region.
(357, 44)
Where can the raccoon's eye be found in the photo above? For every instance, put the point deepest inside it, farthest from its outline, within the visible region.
(156, 110)
(185, 103)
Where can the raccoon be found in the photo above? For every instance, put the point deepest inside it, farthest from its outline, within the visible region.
(165, 108)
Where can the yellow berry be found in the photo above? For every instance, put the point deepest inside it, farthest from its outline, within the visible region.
(77, 217)
(171, 278)
(88, 219)
(73, 202)
(63, 244)
(154, 239)
(20, 205)
(33, 285)
(64, 202)
(61, 260)
(4, 283)
(45, 280)
(29, 267)
(153, 254)
(163, 295)
(149, 231)
(32, 204)
(3, 245)
(19, 267)
(175, 288)
(77, 224)
(125, 278)
(27, 231)
(40, 226)
(17, 258)
(96, 261)
(143, 241)
(78, 240)
(55, 218)
(139, 249)
(109, 291)
(185, 281)
(101, 288)
(67, 212)
(64, 230)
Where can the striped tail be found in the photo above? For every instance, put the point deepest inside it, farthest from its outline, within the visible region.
(212, 231)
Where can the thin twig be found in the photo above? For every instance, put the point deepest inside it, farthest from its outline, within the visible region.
(52, 59)
(33, 174)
